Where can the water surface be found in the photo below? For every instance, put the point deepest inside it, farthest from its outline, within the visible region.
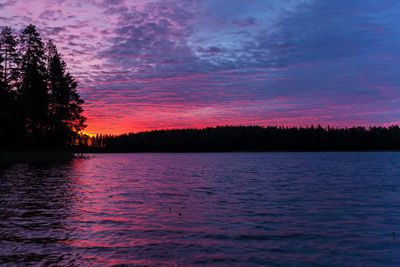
(240, 209)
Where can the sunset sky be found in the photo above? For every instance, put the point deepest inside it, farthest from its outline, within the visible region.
(152, 64)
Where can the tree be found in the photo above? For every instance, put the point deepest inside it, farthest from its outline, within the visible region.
(10, 58)
(40, 106)
(66, 109)
(33, 90)
(2, 85)
(9, 75)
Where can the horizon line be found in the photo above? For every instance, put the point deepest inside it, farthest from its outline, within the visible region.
(327, 126)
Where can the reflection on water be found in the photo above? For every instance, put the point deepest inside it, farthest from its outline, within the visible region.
(217, 209)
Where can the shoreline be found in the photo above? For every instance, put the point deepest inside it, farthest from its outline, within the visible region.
(33, 156)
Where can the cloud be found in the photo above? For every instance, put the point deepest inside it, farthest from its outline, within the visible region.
(149, 64)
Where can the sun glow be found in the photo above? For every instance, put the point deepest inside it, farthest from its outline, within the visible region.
(87, 134)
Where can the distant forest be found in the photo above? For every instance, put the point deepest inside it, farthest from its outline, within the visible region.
(251, 138)
(40, 106)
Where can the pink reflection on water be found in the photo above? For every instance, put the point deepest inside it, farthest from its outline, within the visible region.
(145, 213)
(202, 209)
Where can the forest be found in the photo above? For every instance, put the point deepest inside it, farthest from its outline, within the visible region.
(40, 107)
(251, 138)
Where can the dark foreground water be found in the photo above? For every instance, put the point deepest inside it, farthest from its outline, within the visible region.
(245, 209)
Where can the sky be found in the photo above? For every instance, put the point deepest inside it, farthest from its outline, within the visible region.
(156, 64)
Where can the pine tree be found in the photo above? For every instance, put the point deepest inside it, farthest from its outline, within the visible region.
(2, 85)
(10, 121)
(10, 58)
(40, 106)
(33, 90)
(66, 109)
(3, 96)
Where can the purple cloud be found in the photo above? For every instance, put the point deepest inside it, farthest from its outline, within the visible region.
(177, 63)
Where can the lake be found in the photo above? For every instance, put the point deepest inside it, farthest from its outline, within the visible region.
(240, 209)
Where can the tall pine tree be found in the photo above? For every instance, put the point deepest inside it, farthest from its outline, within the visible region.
(33, 89)
(10, 119)
(11, 59)
(65, 107)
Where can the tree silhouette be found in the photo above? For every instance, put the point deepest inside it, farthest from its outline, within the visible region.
(33, 90)
(65, 105)
(9, 77)
(10, 56)
(40, 106)
(252, 138)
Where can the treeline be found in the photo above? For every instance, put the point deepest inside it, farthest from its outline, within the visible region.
(40, 106)
(251, 138)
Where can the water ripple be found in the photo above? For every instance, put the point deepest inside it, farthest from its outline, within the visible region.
(240, 209)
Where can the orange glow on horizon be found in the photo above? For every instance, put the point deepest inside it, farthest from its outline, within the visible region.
(87, 133)
(126, 130)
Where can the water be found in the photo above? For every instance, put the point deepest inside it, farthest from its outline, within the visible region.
(244, 209)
